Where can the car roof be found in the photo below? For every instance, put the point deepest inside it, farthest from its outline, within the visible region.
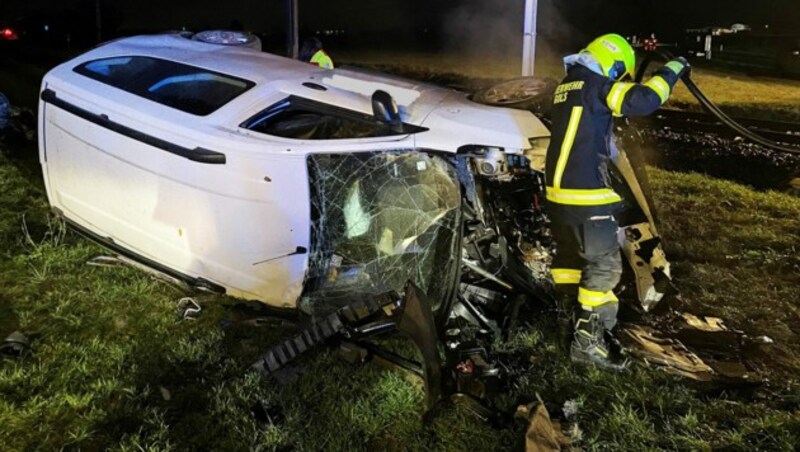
(451, 117)
(346, 87)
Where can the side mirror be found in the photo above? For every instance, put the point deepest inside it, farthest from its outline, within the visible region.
(385, 110)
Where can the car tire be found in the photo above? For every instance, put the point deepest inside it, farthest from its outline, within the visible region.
(524, 93)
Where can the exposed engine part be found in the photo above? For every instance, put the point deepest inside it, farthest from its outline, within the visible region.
(538, 258)
(519, 232)
(474, 315)
(506, 254)
(471, 365)
(481, 272)
(492, 163)
(473, 370)
(481, 295)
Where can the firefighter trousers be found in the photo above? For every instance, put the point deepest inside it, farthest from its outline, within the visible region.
(588, 256)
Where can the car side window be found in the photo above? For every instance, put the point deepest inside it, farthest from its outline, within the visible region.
(305, 119)
(187, 88)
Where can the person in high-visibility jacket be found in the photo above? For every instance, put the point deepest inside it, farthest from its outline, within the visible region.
(580, 199)
(312, 52)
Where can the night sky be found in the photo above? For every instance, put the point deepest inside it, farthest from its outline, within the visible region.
(561, 21)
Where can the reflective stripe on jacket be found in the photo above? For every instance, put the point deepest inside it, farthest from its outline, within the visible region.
(583, 110)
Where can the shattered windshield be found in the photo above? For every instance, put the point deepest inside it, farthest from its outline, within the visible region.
(380, 219)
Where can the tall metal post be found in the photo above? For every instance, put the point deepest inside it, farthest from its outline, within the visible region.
(292, 29)
(529, 39)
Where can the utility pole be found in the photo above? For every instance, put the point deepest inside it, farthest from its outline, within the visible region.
(292, 29)
(529, 38)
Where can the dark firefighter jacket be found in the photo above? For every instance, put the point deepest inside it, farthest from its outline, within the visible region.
(581, 142)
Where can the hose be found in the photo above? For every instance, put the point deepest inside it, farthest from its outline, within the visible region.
(713, 109)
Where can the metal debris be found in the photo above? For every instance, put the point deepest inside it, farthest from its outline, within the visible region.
(704, 323)
(710, 334)
(648, 346)
(188, 309)
(697, 347)
(105, 261)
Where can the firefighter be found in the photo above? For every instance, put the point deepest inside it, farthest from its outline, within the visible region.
(312, 52)
(581, 201)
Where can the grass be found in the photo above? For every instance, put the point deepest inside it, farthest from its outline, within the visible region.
(744, 95)
(114, 369)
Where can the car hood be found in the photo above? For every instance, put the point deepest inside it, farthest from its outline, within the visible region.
(458, 120)
(451, 118)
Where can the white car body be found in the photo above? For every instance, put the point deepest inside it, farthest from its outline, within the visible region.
(238, 225)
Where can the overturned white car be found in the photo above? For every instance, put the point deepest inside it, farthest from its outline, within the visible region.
(223, 165)
(270, 179)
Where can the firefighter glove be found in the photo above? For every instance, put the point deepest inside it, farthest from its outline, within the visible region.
(680, 66)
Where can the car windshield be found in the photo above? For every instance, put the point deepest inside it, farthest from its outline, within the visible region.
(379, 220)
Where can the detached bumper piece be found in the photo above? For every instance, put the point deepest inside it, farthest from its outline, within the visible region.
(287, 351)
(339, 323)
(410, 315)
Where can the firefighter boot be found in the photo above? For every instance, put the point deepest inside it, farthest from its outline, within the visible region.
(590, 346)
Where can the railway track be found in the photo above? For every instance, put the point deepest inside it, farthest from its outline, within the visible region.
(699, 142)
(787, 133)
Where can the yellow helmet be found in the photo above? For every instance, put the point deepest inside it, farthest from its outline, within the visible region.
(615, 55)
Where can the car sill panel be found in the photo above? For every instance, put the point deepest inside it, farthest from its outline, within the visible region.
(110, 244)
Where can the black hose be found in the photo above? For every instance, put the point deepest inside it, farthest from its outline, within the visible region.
(713, 109)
